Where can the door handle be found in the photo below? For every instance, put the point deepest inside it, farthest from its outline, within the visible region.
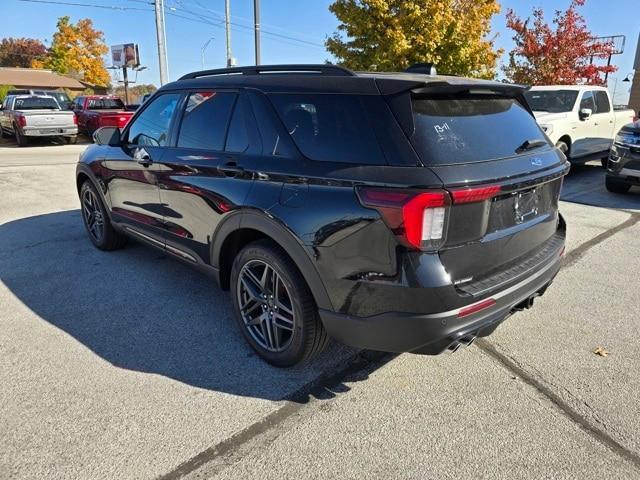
(231, 169)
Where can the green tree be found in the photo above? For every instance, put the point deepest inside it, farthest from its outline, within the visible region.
(4, 89)
(391, 35)
(78, 49)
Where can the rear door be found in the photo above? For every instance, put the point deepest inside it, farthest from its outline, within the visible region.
(604, 121)
(203, 176)
(132, 169)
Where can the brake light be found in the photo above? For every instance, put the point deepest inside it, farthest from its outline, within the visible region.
(418, 218)
(469, 195)
(22, 120)
(75, 119)
(476, 307)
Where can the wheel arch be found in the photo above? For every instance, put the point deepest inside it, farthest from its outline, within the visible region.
(567, 140)
(245, 227)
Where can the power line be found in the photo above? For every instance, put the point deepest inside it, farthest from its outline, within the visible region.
(78, 4)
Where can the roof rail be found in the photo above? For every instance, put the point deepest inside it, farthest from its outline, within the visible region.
(323, 69)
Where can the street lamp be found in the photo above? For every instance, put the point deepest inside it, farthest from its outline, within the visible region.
(204, 47)
(628, 77)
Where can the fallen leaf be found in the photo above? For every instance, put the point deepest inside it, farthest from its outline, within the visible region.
(601, 351)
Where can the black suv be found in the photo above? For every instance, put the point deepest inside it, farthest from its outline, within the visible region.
(391, 211)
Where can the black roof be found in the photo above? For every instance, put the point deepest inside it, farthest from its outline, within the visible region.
(326, 78)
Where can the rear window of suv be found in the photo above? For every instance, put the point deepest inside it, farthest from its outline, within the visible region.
(330, 127)
(470, 128)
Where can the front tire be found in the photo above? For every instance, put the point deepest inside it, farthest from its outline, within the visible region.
(273, 306)
(96, 220)
(605, 162)
(563, 147)
(71, 140)
(615, 185)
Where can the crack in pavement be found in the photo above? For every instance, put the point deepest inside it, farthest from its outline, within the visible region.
(600, 435)
(324, 387)
(576, 254)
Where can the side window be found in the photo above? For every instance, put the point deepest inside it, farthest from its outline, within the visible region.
(587, 101)
(602, 102)
(151, 127)
(237, 138)
(205, 120)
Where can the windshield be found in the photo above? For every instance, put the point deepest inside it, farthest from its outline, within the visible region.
(105, 104)
(455, 129)
(36, 103)
(554, 101)
(61, 97)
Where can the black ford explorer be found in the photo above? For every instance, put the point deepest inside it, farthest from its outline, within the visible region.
(401, 212)
(623, 167)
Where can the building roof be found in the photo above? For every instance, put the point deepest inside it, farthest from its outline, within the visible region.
(36, 78)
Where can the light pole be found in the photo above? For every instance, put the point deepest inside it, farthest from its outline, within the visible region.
(162, 41)
(204, 47)
(615, 86)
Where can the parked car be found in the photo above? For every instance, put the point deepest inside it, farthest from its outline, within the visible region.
(25, 116)
(95, 111)
(60, 95)
(623, 169)
(378, 209)
(579, 119)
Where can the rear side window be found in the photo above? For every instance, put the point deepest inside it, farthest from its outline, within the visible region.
(455, 129)
(330, 127)
(602, 102)
(237, 138)
(205, 120)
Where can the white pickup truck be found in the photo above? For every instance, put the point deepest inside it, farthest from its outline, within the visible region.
(579, 119)
(24, 116)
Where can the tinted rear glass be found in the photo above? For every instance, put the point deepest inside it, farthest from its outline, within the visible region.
(36, 103)
(465, 129)
(105, 104)
(330, 127)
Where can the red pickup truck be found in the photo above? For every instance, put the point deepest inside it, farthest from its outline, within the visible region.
(95, 111)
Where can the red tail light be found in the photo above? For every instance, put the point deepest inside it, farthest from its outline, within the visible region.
(122, 121)
(418, 218)
(75, 119)
(476, 307)
(22, 120)
(469, 195)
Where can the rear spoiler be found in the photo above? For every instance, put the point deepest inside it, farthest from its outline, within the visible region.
(449, 85)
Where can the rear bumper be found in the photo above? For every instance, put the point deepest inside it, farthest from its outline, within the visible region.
(49, 131)
(434, 333)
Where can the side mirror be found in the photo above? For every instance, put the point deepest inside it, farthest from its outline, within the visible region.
(107, 136)
(585, 113)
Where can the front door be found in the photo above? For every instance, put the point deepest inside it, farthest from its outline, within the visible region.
(132, 170)
(203, 177)
(585, 141)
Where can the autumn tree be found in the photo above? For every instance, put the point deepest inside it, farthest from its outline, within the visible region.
(392, 35)
(560, 53)
(21, 52)
(78, 49)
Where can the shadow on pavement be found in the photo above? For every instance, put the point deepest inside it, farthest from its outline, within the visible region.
(140, 310)
(585, 185)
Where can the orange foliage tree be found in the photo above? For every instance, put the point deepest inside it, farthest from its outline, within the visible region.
(561, 53)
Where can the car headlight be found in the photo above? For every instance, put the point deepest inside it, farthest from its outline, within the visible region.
(628, 139)
(547, 128)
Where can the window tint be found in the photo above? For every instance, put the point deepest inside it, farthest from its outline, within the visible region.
(455, 129)
(205, 120)
(587, 101)
(237, 138)
(329, 127)
(602, 102)
(105, 104)
(152, 126)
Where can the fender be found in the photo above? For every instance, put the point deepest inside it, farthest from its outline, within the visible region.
(255, 220)
(83, 168)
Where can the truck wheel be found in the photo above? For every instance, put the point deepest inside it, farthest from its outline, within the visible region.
(563, 147)
(21, 140)
(71, 140)
(274, 307)
(605, 162)
(616, 185)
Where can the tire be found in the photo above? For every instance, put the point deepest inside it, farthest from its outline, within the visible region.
(95, 217)
(71, 140)
(615, 185)
(279, 342)
(563, 147)
(605, 162)
(21, 140)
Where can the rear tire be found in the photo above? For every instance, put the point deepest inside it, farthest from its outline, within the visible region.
(21, 140)
(616, 185)
(605, 162)
(96, 220)
(71, 140)
(260, 307)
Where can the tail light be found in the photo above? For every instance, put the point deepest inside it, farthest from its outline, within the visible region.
(417, 218)
(22, 120)
(122, 121)
(75, 119)
(479, 194)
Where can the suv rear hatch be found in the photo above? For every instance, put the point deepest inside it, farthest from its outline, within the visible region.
(502, 176)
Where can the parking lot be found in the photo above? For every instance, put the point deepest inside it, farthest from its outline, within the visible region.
(128, 365)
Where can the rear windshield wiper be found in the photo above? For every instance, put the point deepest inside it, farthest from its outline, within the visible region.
(531, 144)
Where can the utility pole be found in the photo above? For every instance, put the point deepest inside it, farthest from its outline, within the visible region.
(162, 41)
(256, 28)
(125, 79)
(227, 25)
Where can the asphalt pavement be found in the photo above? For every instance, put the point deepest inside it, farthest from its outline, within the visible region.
(128, 365)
